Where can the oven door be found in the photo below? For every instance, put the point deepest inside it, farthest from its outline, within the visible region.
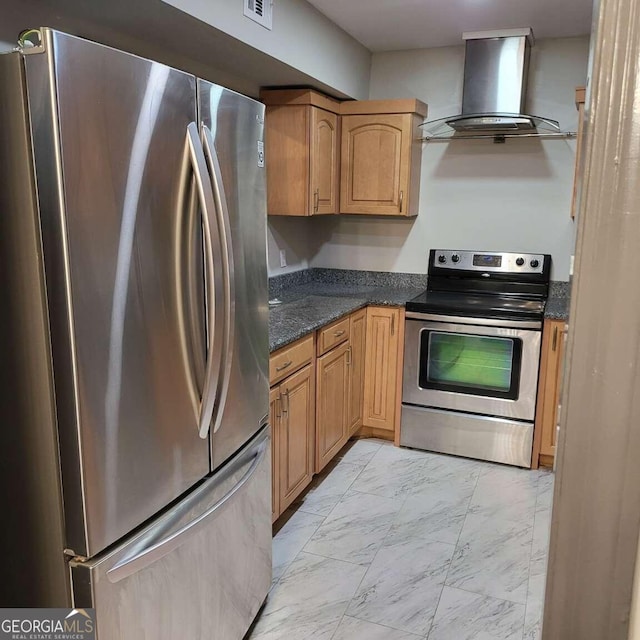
(459, 364)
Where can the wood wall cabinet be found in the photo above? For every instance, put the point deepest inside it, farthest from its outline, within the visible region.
(580, 101)
(292, 419)
(381, 157)
(549, 392)
(302, 138)
(383, 368)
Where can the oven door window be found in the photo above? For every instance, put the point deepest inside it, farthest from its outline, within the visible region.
(471, 364)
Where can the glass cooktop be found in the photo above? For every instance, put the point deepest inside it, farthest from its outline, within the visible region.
(477, 305)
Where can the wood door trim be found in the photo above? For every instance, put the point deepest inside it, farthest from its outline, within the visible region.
(596, 513)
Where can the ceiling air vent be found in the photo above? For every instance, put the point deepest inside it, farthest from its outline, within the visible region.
(260, 11)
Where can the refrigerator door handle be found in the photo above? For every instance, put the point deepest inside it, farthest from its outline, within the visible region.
(143, 558)
(213, 277)
(222, 210)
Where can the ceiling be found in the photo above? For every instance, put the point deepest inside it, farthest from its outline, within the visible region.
(390, 25)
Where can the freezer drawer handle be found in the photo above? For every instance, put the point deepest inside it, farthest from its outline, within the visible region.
(214, 290)
(224, 225)
(132, 564)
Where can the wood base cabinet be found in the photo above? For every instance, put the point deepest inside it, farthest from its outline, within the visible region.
(292, 419)
(333, 396)
(383, 368)
(549, 392)
(357, 342)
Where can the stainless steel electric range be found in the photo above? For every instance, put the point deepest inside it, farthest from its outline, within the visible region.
(471, 358)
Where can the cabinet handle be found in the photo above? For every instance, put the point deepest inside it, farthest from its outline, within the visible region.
(349, 356)
(401, 199)
(288, 363)
(554, 342)
(285, 395)
(316, 200)
(337, 334)
(393, 324)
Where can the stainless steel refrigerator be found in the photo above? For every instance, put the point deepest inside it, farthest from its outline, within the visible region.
(135, 453)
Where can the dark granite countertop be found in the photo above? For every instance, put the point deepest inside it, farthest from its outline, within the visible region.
(299, 317)
(558, 302)
(309, 304)
(557, 309)
(313, 298)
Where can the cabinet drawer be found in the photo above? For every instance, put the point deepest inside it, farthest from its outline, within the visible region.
(332, 335)
(289, 359)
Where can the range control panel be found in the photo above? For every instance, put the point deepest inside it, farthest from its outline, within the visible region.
(488, 261)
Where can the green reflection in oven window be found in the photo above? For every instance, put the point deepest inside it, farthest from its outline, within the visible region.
(470, 361)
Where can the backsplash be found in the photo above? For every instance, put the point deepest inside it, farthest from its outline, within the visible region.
(278, 284)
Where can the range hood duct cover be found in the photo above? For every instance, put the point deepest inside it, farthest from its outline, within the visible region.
(496, 69)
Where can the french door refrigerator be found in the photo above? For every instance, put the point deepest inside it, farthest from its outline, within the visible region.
(135, 447)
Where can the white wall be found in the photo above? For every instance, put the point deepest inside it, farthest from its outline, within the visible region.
(474, 194)
(292, 236)
(301, 37)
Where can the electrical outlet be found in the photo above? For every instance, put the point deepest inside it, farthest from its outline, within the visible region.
(571, 265)
(283, 258)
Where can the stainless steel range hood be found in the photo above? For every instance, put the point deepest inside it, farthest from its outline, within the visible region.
(496, 70)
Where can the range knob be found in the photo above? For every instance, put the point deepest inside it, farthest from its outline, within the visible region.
(534, 263)
(519, 261)
(455, 258)
(441, 259)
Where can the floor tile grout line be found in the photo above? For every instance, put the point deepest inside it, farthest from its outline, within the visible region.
(533, 530)
(365, 574)
(484, 595)
(299, 552)
(386, 626)
(455, 548)
(535, 513)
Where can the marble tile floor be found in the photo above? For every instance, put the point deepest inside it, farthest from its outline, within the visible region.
(397, 544)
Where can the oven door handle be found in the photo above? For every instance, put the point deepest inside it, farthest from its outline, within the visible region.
(484, 322)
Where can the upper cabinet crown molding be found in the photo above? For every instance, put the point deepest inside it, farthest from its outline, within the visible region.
(291, 97)
(381, 107)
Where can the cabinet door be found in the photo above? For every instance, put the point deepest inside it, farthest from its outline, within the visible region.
(381, 367)
(287, 160)
(375, 164)
(332, 395)
(274, 421)
(323, 162)
(358, 322)
(552, 364)
(296, 434)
